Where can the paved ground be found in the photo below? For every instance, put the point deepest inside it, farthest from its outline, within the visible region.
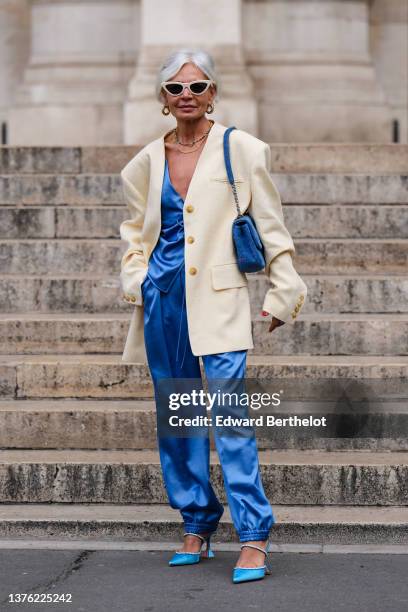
(141, 581)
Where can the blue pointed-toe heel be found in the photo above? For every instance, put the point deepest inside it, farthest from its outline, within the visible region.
(189, 558)
(246, 574)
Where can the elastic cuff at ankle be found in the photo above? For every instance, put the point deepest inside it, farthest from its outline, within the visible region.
(253, 536)
(200, 527)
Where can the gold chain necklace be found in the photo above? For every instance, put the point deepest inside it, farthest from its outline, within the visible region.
(188, 152)
(190, 144)
(194, 141)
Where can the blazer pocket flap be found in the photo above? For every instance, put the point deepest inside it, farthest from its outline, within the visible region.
(226, 276)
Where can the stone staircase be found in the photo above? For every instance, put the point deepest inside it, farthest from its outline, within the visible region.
(78, 456)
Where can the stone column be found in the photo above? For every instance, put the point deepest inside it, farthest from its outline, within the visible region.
(315, 78)
(389, 43)
(82, 57)
(167, 26)
(14, 50)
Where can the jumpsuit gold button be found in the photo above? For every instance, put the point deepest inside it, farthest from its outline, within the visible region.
(189, 208)
(190, 239)
(193, 271)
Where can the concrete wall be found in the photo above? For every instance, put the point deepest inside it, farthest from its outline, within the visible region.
(81, 72)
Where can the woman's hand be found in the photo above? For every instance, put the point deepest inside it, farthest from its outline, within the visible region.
(274, 323)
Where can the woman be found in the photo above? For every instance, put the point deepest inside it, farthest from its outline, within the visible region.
(180, 271)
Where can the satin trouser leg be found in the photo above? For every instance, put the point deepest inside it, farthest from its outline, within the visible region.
(185, 461)
(250, 509)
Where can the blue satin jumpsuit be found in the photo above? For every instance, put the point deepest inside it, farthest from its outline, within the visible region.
(185, 461)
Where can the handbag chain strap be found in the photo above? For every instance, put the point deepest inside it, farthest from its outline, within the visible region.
(228, 166)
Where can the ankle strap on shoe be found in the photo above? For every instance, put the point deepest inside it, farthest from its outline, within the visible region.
(197, 535)
(265, 552)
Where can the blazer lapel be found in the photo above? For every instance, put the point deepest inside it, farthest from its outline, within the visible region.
(152, 223)
(200, 176)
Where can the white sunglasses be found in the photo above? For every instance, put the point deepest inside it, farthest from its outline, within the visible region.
(176, 88)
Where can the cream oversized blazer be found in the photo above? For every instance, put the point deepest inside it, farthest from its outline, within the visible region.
(217, 296)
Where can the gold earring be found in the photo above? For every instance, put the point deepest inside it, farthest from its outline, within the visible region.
(210, 108)
(165, 110)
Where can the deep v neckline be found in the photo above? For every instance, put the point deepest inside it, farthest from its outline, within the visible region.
(202, 154)
(169, 179)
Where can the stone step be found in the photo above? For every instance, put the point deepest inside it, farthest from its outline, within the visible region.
(322, 526)
(332, 256)
(347, 221)
(82, 292)
(357, 478)
(302, 221)
(335, 334)
(106, 189)
(321, 157)
(65, 222)
(61, 190)
(92, 424)
(313, 334)
(108, 377)
(58, 160)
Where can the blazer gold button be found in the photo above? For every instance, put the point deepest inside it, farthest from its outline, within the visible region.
(189, 208)
(133, 299)
(193, 271)
(190, 239)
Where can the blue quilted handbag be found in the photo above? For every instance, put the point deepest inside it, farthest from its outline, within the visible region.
(247, 243)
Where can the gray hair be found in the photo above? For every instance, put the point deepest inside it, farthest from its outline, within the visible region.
(177, 59)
